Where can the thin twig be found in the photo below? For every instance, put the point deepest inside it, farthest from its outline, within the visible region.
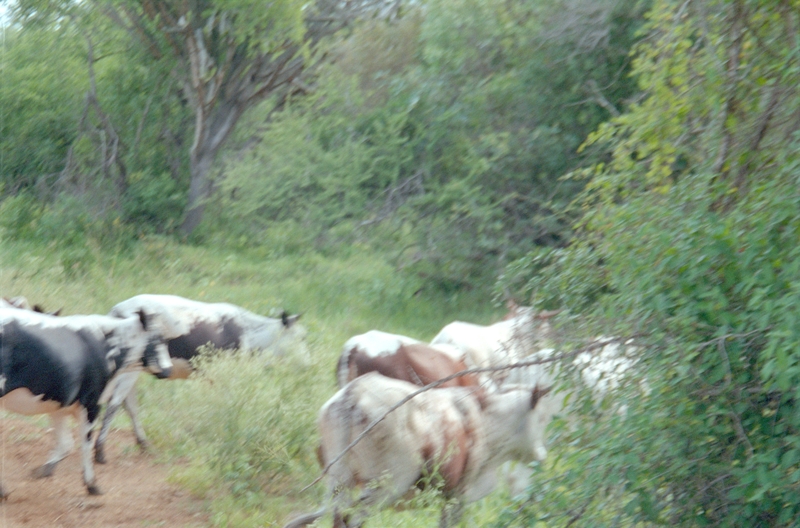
(729, 336)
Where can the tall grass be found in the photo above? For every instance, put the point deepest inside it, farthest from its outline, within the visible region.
(244, 427)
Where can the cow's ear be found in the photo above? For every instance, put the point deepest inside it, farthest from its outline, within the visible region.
(289, 320)
(538, 393)
(143, 318)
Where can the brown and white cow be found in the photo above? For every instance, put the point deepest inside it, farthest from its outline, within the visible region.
(452, 435)
(188, 325)
(61, 366)
(402, 358)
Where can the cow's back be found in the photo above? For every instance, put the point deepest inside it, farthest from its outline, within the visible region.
(477, 342)
(362, 347)
(59, 364)
(190, 324)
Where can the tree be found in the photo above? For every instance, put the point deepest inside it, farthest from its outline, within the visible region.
(40, 98)
(231, 55)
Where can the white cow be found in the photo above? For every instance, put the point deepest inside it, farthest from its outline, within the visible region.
(602, 369)
(457, 435)
(188, 325)
(501, 343)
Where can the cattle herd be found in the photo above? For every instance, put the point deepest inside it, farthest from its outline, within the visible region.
(381, 435)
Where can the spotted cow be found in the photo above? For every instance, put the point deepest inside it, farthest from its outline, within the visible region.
(451, 437)
(188, 325)
(62, 366)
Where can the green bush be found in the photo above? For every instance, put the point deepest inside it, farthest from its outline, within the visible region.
(689, 243)
(242, 416)
(19, 215)
(153, 203)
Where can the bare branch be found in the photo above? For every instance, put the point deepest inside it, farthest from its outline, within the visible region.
(732, 79)
(761, 131)
(600, 99)
(733, 336)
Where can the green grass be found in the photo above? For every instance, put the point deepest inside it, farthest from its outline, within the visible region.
(244, 426)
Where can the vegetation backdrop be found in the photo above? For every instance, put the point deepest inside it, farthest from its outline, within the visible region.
(400, 165)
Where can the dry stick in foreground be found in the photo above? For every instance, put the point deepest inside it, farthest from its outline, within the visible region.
(438, 383)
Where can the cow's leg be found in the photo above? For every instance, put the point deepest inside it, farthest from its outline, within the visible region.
(63, 446)
(452, 512)
(123, 389)
(132, 406)
(87, 428)
(347, 520)
(346, 512)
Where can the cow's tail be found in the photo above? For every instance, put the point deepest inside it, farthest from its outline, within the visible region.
(306, 519)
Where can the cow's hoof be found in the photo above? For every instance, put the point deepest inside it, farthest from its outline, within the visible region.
(93, 489)
(43, 471)
(144, 446)
(99, 456)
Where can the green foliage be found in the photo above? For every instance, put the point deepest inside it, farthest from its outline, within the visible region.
(95, 142)
(443, 134)
(689, 242)
(19, 215)
(153, 202)
(40, 103)
(317, 162)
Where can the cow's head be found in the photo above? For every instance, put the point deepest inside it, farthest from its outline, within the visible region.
(542, 408)
(155, 358)
(520, 414)
(137, 342)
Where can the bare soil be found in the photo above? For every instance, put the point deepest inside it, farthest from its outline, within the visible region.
(135, 488)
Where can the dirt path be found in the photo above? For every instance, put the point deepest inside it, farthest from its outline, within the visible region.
(136, 491)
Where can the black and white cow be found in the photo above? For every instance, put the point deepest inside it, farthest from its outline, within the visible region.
(61, 366)
(189, 325)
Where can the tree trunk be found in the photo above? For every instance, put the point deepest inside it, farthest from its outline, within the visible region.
(210, 135)
(199, 190)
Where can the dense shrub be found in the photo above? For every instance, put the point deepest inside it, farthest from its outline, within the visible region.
(689, 243)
